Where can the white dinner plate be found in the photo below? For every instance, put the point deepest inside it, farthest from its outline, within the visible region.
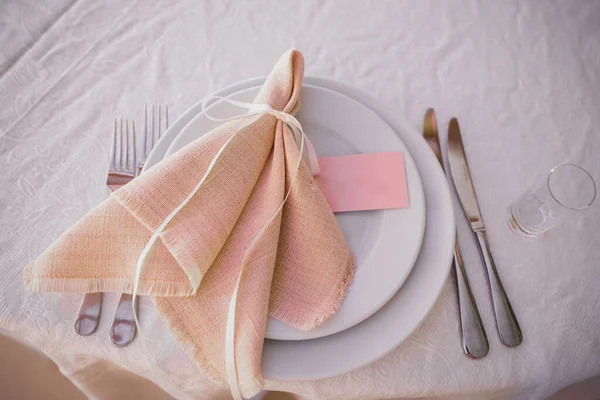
(385, 242)
(395, 321)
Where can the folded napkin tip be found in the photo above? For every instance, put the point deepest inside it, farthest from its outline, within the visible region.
(307, 323)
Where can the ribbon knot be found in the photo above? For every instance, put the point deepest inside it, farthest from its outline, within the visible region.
(302, 140)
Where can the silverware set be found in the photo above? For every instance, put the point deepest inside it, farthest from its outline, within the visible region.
(474, 339)
(122, 170)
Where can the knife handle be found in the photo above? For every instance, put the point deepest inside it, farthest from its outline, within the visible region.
(506, 321)
(474, 339)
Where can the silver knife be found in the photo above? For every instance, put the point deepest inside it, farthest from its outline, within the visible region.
(474, 339)
(506, 321)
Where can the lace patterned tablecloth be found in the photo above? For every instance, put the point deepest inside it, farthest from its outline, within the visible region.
(521, 76)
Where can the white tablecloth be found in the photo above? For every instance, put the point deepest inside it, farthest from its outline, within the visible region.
(522, 77)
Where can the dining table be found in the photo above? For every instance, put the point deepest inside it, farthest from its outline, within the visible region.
(521, 77)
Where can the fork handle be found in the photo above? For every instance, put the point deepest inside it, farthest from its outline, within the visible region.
(123, 329)
(88, 316)
(506, 321)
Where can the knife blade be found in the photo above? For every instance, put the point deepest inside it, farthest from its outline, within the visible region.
(506, 321)
(474, 338)
(459, 169)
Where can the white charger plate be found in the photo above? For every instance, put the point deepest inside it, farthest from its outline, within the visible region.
(385, 242)
(393, 323)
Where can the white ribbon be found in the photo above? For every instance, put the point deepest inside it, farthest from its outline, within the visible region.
(265, 109)
(299, 135)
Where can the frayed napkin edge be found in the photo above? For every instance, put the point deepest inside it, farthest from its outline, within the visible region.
(306, 324)
(115, 285)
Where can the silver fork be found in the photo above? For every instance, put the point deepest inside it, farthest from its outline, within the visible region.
(123, 328)
(121, 171)
(152, 131)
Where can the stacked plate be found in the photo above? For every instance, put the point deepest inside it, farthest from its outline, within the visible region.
(403, 255)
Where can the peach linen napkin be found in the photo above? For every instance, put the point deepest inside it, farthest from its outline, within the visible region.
(296, 268)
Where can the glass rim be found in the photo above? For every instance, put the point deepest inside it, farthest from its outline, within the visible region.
(560, 202)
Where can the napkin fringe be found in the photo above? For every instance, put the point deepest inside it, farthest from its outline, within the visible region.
(323, 315)
(115, 285)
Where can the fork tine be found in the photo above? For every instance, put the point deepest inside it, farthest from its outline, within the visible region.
(126, 152)
(166, 118)
(121, 149)
(144, 139)
(113, 150)
(159, 121)
(133, 165)
(153, 129)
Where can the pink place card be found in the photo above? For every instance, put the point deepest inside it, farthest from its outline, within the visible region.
(364, 181)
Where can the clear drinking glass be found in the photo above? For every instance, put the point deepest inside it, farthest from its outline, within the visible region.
(567, 191)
